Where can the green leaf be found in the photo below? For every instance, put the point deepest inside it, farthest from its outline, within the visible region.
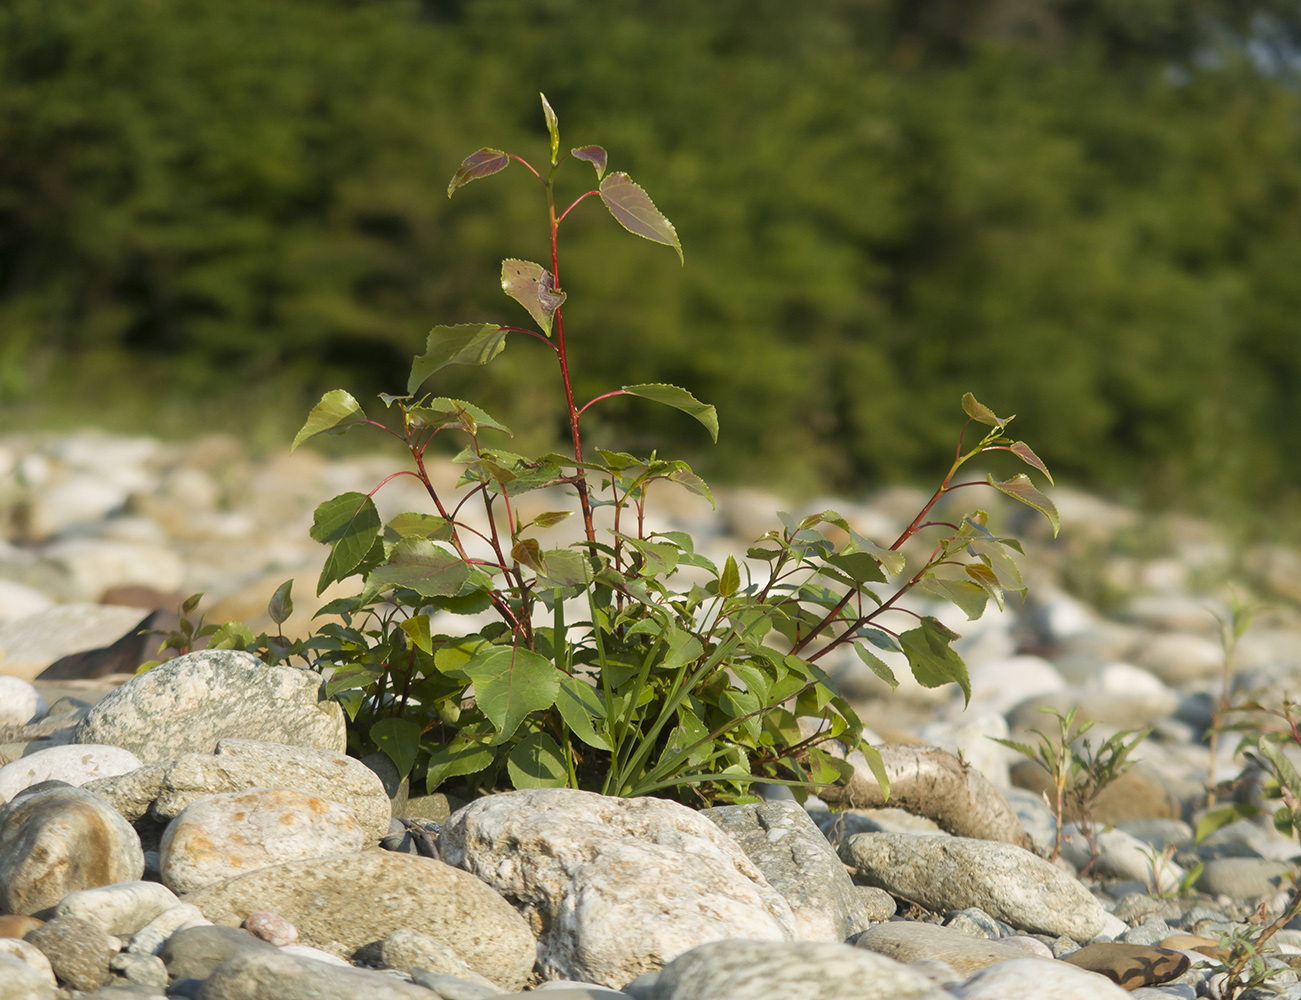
(537, 762)
(579, 704)
(232, 635)
(594, 155)
(551, 518)
(422, 566)
(932, 659)
(1022, 451)
(553, 126)
(987, 579)
(876, 665)
(335, 408)
(400, 739)
(968, 596)
(633, 209)
(688, 480)
(416, 525)
(1216, 819)
(862, 567)
(981, 413)
(877, 766)
(281, 605)
(510, 683)
(464, 344)
(880, 639)
(483, 163)
(349, 524)
(417, 630)
(1282, 767)
(1020, 488)
(445, 412)
(461, 756)
(671, 395)
(730, 579)
(563, 568)
(533, 287)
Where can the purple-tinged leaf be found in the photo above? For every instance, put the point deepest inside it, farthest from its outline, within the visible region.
(553, 126)
(981, 413)
(532, 286)
(594, 155)
(484, 163)
(633, 209)
(1022, 451)
(1020, 488)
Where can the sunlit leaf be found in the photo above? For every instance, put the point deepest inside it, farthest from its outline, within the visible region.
(232, 635)
(1022, 451)
(551, 518)
(594, 155)
(671, 395)
(465, 344)
(510, 683)
(349, 524)
(444, 412)
(420, 565)
(931, 657)
(553, 126)
(1020, 488)
(416, 525)
(335, 408)
(417, 630)
(730, 579)
(981, 413)
(400, 739)
(684, 477)
(968, 596)
(988, 579)
(532, 286)
(633, 209)
(481, 164)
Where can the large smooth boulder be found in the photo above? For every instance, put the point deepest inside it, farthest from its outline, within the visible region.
(189, 704)
(614, 887)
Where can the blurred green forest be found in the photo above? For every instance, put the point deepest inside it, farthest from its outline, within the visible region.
(1086, 212)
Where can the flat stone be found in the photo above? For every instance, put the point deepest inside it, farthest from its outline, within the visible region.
(131, 794)
(1130, 965)
(342, 903)
(614, 887)
(237, 765)
(909, 940)
(455, 988)
(76, 764)
(79, 952)
(31, 644)
(276, 976)
(953, 873)
(59, 840)
(797, 861)
(1035, 979)
(1245, 878)
(193, 953)
(189, 704)
(231, 834)
(408, 950)
(120, 909)
(786, 970)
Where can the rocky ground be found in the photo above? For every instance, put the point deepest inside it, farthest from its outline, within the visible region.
(204, 836)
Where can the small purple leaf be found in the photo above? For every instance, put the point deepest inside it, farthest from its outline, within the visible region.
(484, 163)
(532, 286)
(633, 209)
(1022, 451)
(594, 155)
(553, 126)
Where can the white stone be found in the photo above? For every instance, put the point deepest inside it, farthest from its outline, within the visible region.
(75, 500)
(149, 939)
(31, 644)
(20, 702)
(1121, 855)
(30, 955)
(1125, 678)
(76, 764)
(997, 685)
(18, 601)
(122, 909)
(90, 566)
(972, 738)
(231, 834)
(1035, 979)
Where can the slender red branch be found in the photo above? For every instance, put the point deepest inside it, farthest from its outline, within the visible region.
(575, 204)
(527, 166)
(597, 399)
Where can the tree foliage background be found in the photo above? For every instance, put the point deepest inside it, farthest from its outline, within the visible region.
(1087, 212)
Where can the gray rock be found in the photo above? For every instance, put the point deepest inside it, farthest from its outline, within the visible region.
(195, 952)
(454, 987)
(797, 861)
(22, 982)
(240, 764)
(131, 794)
(31, 644)
(1245, 878)
(59, 840)
(909, 940)
(1035, 979)
(615, 887)
(74, 764)
(342, 903)
(275, 976)
(227, 835)
(786, 970)
(149, 939)
(1176, 657)
(120, 909)
(407, 950)
(877, 904)
(953, 873)
(79, 952)
(143, 970)
(189, 704)
(1123, 856)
